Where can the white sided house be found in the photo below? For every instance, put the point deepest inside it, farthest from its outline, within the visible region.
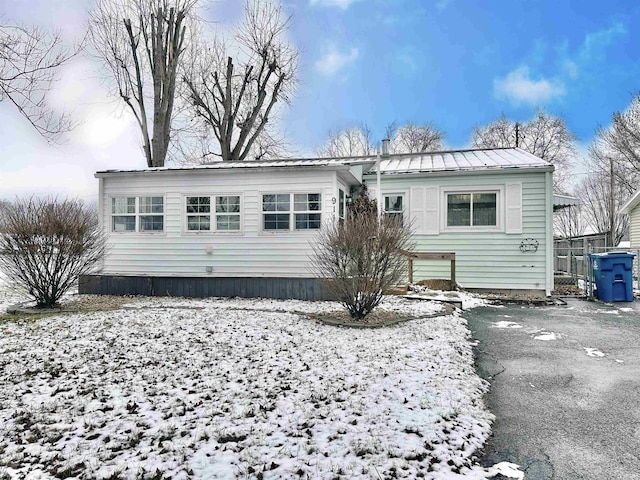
(632, 208)
(248, 228)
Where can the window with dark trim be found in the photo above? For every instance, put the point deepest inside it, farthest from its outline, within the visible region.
(472, 209)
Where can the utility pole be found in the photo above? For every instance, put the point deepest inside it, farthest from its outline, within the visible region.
(612, 206)
(517, 134)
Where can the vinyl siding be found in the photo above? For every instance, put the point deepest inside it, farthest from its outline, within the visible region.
(250, 253)
(485, 259)
(634, 227)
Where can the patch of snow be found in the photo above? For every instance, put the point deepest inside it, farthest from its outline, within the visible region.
(469, 300)
(506, 316)
(593, 352)
(610, 312)
(547, 336)
(626, 309)
(507, 469)
(619, 361)
(9, 296)
(223, 389)
(506, 324)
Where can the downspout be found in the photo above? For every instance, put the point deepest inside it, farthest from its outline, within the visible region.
(385, 154)
(378, 185)
(549, 232)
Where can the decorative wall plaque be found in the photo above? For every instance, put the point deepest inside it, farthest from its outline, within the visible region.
(529, 245)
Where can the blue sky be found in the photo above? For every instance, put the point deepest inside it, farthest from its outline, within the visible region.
(457, 64)
(460, 64)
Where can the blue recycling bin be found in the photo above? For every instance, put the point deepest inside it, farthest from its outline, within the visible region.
(613, 273)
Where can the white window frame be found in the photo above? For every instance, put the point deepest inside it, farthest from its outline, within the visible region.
(497, 189)
(405, 206)
(137, 214)
(212, 214)
(292, 211)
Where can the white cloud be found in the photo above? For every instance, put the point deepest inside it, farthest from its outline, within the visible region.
(343, 4)
(570, 68)
(596, 42)
(518, 87)
(333, 61)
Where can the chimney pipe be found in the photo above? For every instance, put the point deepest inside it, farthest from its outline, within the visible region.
(385, 147)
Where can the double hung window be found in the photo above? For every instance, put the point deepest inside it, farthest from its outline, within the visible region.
(198, 214)
(291, 211)
(137, 214)
(213, 213)
(394, 207)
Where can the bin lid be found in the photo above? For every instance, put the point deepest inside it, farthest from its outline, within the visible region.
(617, 253)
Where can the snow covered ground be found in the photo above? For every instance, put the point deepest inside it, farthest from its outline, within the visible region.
(177, 388)
(9, 295)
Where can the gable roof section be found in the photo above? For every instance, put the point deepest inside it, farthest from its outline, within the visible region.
(447, 161)
(631, 203)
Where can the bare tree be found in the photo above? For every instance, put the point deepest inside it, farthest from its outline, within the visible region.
(47, 244)
(234, 92)
(30, 60)
(349, 142)
(594, 193)
(569, 222)
(617, 148)
(142, 43)
(361, 257)
(412, 138)
(500, 133)
(545, 136)
(356, 141)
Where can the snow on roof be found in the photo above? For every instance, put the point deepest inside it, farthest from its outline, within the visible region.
(453, 160)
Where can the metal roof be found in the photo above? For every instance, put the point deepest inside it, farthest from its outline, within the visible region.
(459, 160)
(454, 160)
(299, 162)
(562, 201)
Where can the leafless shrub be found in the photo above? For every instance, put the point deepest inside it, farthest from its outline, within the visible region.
(362, 257)
(46, 244)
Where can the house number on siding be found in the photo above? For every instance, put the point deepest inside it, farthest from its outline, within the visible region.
(529, 245)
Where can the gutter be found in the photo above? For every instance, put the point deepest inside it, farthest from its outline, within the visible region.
(448, 173)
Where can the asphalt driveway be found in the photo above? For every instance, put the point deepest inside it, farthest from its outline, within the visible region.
(565, 388)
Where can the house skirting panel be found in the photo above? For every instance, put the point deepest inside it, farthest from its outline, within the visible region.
(202, 287)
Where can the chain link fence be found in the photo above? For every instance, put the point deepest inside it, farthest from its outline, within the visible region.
(572, 268)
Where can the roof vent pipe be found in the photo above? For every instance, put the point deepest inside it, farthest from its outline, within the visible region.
(385, 147)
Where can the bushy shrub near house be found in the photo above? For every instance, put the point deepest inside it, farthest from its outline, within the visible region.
(46, 243)
(362, 256)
